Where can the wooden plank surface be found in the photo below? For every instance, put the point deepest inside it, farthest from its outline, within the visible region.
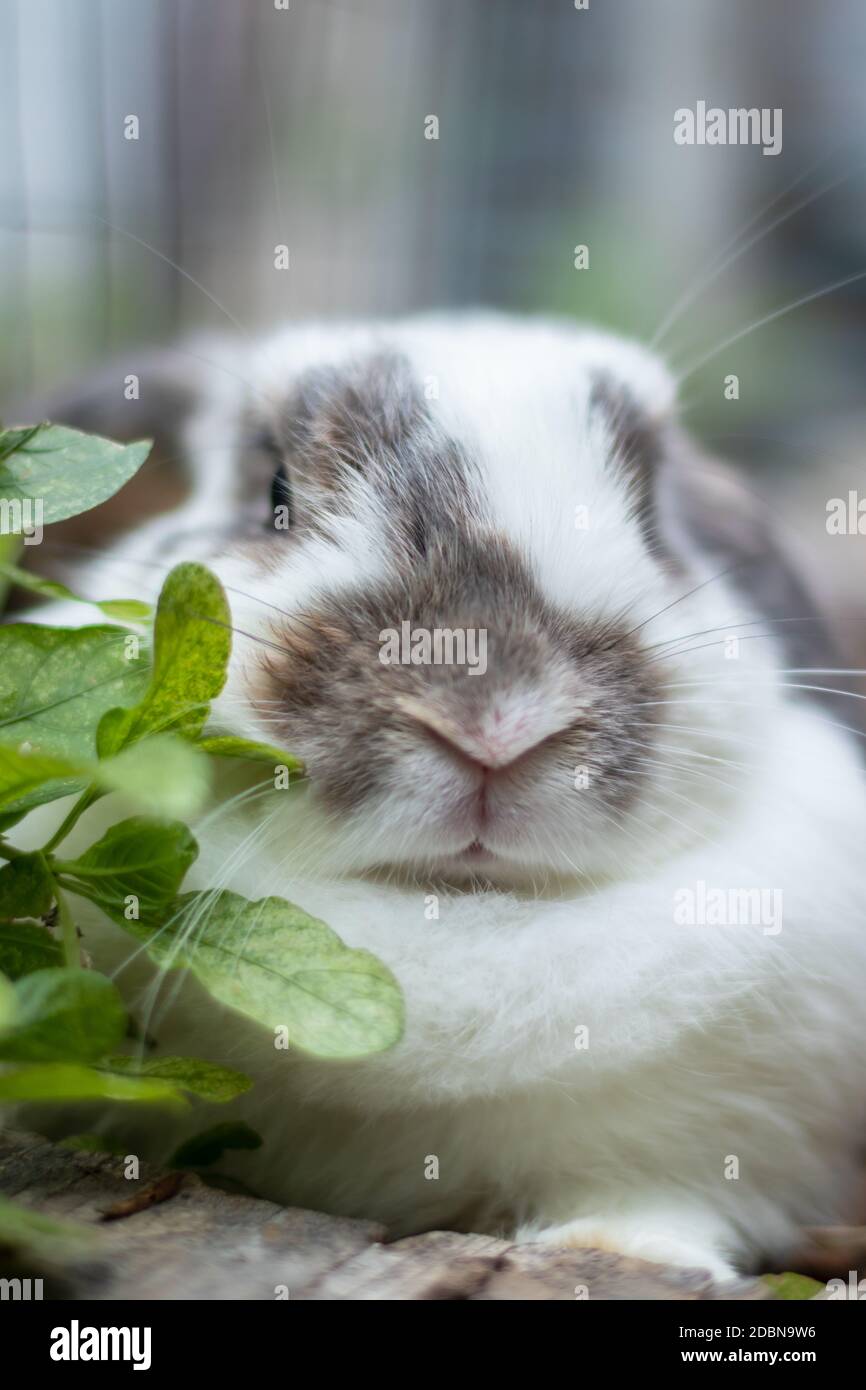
(175, 1236)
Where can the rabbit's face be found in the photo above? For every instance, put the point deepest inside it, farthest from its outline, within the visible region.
(468, 622)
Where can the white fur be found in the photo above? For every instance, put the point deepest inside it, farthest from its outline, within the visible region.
(706, 1043)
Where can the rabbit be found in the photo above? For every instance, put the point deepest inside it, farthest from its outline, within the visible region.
(618, 873)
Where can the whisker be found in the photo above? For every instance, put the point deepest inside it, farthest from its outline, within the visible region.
(123, 231)
(723, 627)
(751, 704)
(668, 606)
(770, 318)
(694, 752)
(715, 683)
(686, 300)
(166, 566)
(703, 646)
(223, 809)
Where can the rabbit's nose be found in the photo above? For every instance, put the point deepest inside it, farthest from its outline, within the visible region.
(490, 742)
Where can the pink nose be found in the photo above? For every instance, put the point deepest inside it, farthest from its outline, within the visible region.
(496, 743)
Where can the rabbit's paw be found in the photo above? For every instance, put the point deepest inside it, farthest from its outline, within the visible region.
(686, 1240)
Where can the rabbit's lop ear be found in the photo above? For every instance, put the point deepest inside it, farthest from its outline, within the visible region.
(152, 393)
(700, 518)
(146, 393)
(705, 509)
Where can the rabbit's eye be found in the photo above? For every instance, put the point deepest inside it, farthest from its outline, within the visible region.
(281, 492)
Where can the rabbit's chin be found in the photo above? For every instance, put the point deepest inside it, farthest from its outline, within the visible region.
(379, 843)
(475, 867)
(371, 846)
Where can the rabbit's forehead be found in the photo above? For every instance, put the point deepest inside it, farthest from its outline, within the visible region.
(541, 436)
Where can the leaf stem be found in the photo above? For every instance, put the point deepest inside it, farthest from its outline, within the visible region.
(10, 546)
(86, 800)
(71, 948)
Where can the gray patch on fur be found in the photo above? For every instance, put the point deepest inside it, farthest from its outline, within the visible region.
(681, 495)
(340, 707)
(733, 528)
(638, 449)
(370, 418)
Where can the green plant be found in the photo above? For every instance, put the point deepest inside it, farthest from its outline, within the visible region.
(123, 708)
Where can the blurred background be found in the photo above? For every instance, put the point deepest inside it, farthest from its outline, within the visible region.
(305, 126)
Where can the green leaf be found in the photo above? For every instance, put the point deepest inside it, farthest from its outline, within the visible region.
(71, 1081)
(209, 1146)
(64, 1015)
(227, 746)
(28, 779)
(204, 1079)
(8, 1004)
(13, 439)
(792, 1286)
(167, 777)
(191, 646)
(94, 1144)
(10, 549)
(277, 965)
(42, 1237)
(25, 947)
(55, 685)
(26, 888)
(137, 857)
(67, 471)
(127, 610)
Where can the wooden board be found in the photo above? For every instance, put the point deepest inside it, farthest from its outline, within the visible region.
(174, 1236)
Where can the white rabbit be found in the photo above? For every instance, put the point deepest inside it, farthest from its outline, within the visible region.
(619, 873)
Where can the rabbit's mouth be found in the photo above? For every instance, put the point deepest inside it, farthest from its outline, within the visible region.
(477, 850)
